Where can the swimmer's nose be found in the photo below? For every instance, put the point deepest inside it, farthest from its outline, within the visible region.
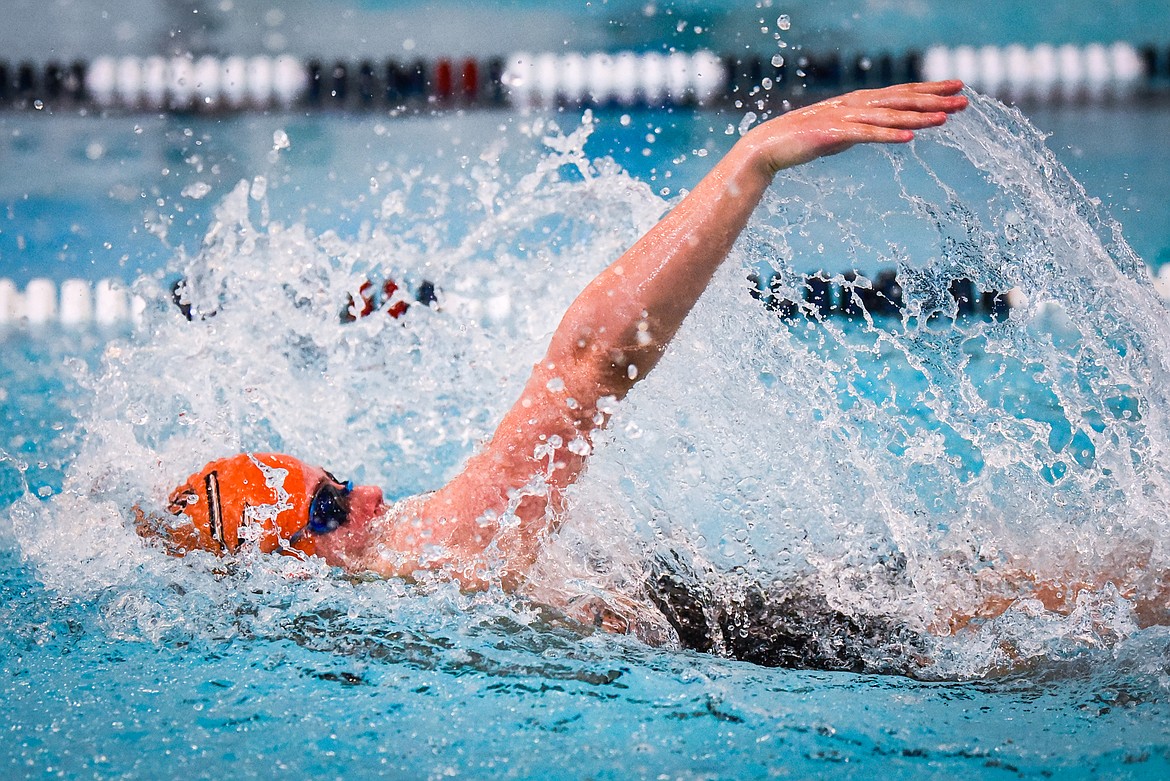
(365, 502)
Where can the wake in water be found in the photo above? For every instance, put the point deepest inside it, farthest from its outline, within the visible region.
(898, 469)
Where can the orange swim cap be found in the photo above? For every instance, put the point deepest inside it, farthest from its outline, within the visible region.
(267, 494)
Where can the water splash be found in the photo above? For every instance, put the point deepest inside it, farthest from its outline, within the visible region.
(900, 465)
(919, 466)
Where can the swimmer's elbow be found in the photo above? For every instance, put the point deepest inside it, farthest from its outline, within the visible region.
(603, 365)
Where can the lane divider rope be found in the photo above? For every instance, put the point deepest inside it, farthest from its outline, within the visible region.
(1042, 73)
(109, 302)
(76, 302)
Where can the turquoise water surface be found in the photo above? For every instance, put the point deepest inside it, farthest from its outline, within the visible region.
(946, 445)
(122, 663)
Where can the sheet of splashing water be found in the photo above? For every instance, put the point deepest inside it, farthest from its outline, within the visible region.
(900, 463)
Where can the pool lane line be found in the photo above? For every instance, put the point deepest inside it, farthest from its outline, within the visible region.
(818, 295)
(75, 302)
(1043, 73)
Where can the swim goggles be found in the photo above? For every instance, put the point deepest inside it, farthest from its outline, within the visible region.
(328, 509)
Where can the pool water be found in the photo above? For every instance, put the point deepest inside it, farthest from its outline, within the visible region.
(941, 442)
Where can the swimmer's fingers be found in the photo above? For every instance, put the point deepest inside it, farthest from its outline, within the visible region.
(901, 102)
(922, 97)
(895, 118)
(919, 96)
(944, 87)
(865, 133)
(936, 88)
(872, 125)
(850, 134)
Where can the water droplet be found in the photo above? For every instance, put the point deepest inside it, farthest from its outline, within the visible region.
(784, 22)
(195, 190)
(746, 123)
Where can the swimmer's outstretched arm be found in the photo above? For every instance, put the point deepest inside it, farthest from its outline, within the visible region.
(619, 326)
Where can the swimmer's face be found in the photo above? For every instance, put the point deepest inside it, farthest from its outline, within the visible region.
(277, 501)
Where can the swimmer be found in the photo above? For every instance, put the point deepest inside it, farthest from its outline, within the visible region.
(487, 525)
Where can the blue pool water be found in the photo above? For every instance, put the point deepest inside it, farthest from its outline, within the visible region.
(120, 662)
(833, 445)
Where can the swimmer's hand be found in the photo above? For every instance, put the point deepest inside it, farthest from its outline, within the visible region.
(884, 116)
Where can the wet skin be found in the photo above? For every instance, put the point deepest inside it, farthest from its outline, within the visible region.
(343, 545)
(488, 524)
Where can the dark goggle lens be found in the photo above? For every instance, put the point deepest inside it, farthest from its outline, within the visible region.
(329, 508)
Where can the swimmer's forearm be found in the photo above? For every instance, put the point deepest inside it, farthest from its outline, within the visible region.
(622, 322)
